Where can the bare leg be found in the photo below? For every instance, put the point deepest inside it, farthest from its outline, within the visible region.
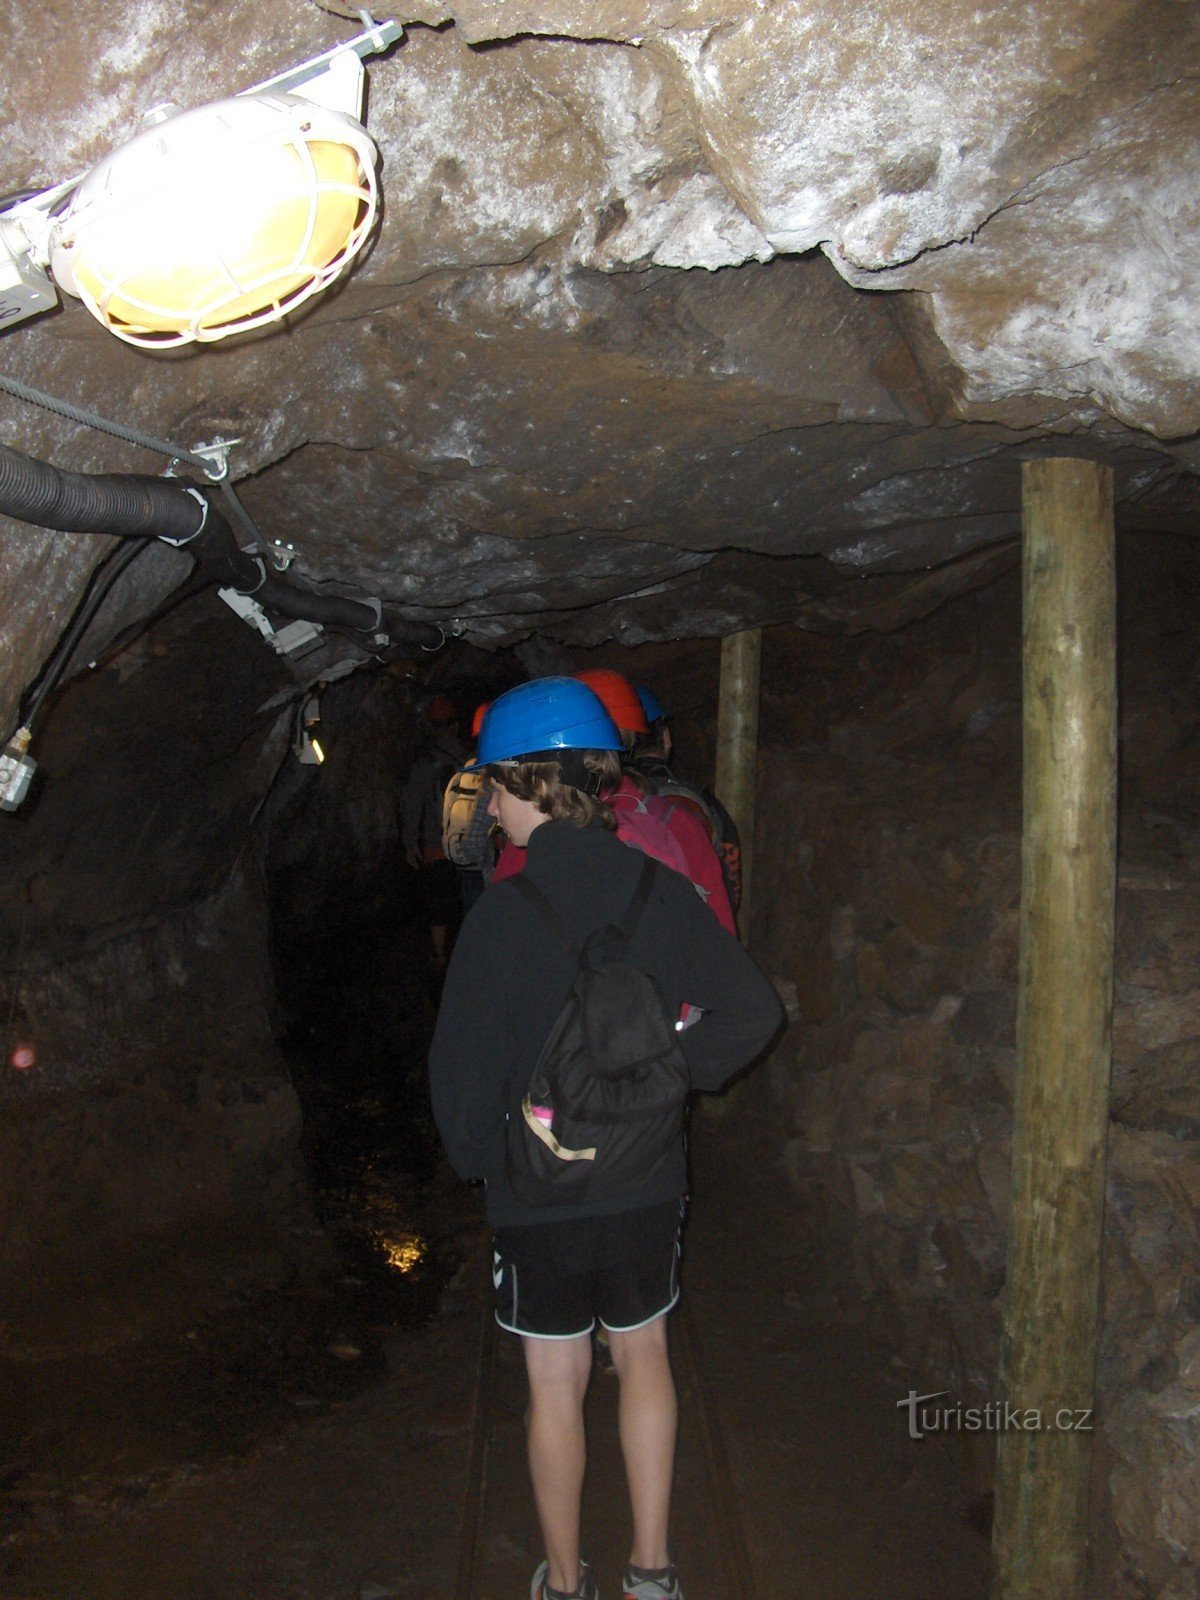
(648, 1416)
(558, 1370)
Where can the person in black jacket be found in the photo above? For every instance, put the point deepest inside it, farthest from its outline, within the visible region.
(559, 1268)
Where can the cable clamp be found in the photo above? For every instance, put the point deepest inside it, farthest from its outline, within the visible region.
(262, 574)
(216, 458)
(177, 542)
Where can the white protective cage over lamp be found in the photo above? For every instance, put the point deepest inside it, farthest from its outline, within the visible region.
(220, 219)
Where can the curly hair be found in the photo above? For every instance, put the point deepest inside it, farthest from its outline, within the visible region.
(543, 783)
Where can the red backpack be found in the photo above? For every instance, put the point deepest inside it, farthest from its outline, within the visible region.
(642, 823)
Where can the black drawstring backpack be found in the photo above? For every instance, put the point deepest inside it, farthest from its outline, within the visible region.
(606, 1097)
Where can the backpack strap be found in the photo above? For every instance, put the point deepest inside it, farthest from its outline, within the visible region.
(629, 921)
(641, 896)
(538, 900)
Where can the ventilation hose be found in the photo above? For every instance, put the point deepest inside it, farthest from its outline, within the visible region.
(128, 507)
(218, 556)
(75, 502)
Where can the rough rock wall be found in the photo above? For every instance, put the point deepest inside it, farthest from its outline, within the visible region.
(615, 366)
(149, 1159)
(1021, 155)
(718, 133)
(156, 1137)
(890, 828)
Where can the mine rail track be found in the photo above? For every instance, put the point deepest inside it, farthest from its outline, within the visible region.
(698, 1404)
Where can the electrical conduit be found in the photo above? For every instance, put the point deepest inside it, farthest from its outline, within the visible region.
(133, 507)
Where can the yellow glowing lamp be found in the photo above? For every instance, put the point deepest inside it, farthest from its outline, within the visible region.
(214, 221)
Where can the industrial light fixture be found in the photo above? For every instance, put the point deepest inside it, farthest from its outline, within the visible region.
(218, 220)
(213, 221)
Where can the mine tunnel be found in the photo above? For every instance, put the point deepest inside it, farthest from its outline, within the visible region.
(828, 373)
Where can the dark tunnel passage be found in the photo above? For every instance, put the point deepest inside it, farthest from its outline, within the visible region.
(830, 371)
(358, 991)
(244, 1294)
(358, 985)
(358, 1014)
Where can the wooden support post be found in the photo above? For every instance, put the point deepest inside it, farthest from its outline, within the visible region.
(1064, 1030)
(737, 746)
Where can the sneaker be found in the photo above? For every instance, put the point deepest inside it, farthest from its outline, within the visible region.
(541, 1590)
(659, 1584)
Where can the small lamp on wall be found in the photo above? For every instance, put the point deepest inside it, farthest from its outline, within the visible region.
(306, 746)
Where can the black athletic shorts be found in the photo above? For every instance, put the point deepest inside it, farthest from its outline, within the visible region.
(554, 1279)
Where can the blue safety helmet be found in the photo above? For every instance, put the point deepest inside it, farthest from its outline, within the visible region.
(545, 714)
(651, 704)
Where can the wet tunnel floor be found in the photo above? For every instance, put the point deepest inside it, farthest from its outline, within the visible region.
(349, 1480)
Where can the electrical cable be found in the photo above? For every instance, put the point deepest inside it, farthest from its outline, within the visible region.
(64, 408)
(104, 577)
(147, 441)
(64, 193)
(18, 975)
(186, 591)
(243, 516)
(137, 509)
(16, 197)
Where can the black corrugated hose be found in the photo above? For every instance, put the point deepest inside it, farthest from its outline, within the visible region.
(75, 502)
(134, 507)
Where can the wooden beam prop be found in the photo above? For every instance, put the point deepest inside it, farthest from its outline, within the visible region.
(1064, 1031)
(737, 746)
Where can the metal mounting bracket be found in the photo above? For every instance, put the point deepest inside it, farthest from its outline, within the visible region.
(218, 454)
(377, 37)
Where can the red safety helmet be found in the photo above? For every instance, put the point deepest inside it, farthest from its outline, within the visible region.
(618, 697)
(441, 709)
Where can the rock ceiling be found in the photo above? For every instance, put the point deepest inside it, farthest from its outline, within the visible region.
(683, 314)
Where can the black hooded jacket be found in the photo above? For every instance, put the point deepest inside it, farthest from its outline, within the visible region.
(509, 975)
